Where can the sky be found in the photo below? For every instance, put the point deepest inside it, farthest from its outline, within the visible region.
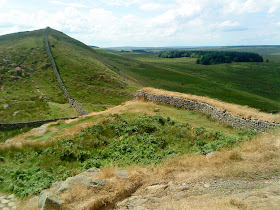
(149, 23)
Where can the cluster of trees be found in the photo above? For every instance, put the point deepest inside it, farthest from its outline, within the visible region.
(213, 57)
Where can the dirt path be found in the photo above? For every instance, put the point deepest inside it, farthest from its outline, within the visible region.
(210, 194)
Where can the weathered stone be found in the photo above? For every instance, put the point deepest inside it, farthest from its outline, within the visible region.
(207, 185)
(15, 113)
(6, 106)
(12, 196)
(6, 208)
(138, 202)
(205, 108)
(139, 208)
(180, 195)
(123, 174)
(57, 185)
(156, 110)
(70, 182)
(4, 201)
(32, 203)
(122, 203)
(211, 154)
(2, 205)
(183, 188)
(11, 204)
(156, 188)
(95, 183)
(49, 200)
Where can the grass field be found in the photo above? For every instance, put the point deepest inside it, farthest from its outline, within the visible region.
(29, 86)
(126, 137)
(252, 84)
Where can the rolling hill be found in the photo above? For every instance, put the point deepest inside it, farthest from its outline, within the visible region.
(251, 84)
(29, 88)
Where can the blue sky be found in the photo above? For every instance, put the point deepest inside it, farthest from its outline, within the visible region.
(109, 23)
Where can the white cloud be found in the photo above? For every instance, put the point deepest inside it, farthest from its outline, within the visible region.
(67, 4)
(2, 3)
(122, 2)
(153, 7)
(150, 23)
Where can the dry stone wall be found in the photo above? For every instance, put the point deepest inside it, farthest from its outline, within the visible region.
(11, 126)
(221, 116)
(71, 100)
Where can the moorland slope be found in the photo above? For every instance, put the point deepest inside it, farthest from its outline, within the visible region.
(29, 87)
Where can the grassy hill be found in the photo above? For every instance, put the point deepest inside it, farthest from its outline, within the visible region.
(28, 85)
(129, 134)
(252, 84)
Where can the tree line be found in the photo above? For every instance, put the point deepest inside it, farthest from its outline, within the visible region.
(213, 57)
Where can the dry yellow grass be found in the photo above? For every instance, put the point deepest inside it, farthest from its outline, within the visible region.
(234, 109)
(258, 156)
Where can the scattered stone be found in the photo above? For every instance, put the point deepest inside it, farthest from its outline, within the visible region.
(49, 200)
(15, 113)
(207, 185)
(95, 183)
(2, 205)
(183, 188)
(93, 170)
(211, 154)
(123, 174)
(29, 69)
(139, 202)
(11, 204)
(4, 201)
(180, 195)
(46, 66)
(69, 182)
(56, 185)
(122, 203)
(156, 188)
(5, 208)
(155, 199)
(13, 65)
(32, 203)
(156, 110)
(6, 106)
(12, 196)
(139, 208)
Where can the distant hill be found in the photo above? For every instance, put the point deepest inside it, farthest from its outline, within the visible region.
(252, 84)
(28, 86)
(270, 50)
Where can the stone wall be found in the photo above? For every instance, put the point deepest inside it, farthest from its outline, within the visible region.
(11, 126)
(71, 101)
(221, 116)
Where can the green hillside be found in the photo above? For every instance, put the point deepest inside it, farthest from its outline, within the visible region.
(28, 86)
(252, 84)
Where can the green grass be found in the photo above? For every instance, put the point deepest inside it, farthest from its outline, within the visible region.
(5, 135)
(251, 84)
(88, 80)
(86, 77)
(118, 140)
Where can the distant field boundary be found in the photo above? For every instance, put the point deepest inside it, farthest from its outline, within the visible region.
(11, 126)
(221, 116)
(71, 100)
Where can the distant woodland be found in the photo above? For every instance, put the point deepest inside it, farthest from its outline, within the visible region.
(213, 57)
